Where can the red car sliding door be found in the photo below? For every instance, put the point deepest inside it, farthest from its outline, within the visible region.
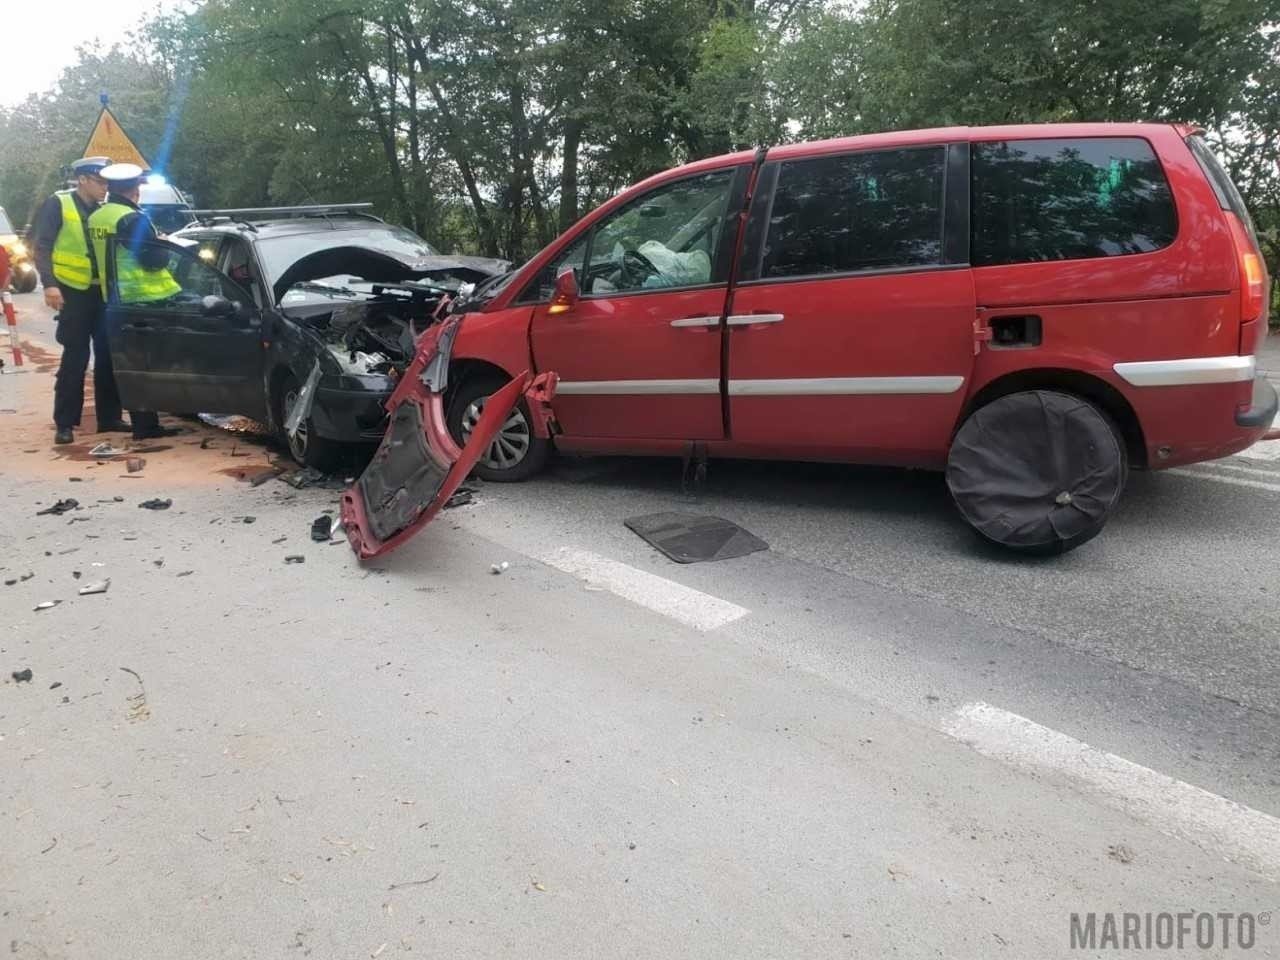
(851, 332)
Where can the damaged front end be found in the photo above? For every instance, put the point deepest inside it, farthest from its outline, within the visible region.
(418, 466)
(368, 329)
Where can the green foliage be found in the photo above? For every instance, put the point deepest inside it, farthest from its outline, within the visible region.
(490, 125)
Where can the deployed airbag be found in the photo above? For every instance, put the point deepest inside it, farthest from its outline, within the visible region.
(1037, 470)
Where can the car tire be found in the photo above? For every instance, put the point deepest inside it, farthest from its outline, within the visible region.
(308, 448)
(515, 454)
(25, 284)
(1037, 472)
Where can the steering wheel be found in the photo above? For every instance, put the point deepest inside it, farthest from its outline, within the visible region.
(646, 268)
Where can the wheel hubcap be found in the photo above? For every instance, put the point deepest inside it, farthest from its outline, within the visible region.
(509, 447)
(297, 441)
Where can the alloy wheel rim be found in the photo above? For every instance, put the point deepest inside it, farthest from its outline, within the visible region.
(513, 440)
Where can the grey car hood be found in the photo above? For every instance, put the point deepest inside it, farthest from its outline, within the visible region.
(384, 266)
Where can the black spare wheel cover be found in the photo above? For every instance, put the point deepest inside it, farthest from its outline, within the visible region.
(1036, 469)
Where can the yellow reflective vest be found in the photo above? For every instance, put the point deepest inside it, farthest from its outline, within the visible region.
(71, 264)
(134, 282)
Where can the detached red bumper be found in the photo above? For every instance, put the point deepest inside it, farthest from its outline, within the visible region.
(418, 466)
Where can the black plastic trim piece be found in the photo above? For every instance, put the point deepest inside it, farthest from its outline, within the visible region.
(1262, 411)
(955, 205)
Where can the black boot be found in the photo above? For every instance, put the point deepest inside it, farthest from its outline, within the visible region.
(64, 435)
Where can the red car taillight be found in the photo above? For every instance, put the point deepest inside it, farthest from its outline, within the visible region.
(1253, 273)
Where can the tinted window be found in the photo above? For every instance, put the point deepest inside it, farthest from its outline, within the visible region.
(1068, 200)
(5, 225)
(861, 211)
(238, 265)
(1228, 196)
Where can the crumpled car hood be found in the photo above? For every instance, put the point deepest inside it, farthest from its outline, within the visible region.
(418, 466)
(375, 264)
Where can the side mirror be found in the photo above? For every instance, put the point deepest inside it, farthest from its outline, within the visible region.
(212, 306)
(566, 292)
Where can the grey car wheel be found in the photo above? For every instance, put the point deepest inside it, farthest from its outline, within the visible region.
(509, 447)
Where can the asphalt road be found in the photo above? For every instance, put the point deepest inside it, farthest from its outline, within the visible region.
(869, 740)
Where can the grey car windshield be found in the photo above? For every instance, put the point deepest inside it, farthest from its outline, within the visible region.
(5, 225)
(278, 254)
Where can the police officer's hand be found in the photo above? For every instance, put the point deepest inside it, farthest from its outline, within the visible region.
(53, 298)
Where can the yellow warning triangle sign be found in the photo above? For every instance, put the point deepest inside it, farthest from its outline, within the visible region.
(109, 140)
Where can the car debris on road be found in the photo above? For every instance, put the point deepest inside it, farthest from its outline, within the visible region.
(59, 508)
(418, 466)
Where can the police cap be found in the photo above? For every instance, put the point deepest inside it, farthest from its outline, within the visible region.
(122, 176)
(89, 166)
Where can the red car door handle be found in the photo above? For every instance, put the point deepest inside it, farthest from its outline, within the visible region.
(754, 319)
(696, 322)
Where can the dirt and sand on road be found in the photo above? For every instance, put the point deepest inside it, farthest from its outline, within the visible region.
(198, 456)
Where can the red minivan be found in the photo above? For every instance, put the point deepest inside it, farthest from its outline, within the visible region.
(1033, 309)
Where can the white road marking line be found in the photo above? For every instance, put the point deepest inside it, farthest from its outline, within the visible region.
(1236, 467)
(691, 607)
(1174, 807)
(1263, 450)
(1234, 481)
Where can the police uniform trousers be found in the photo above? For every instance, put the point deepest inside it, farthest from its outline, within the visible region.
(80, 325)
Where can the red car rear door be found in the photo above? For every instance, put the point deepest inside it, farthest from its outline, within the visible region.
(639, 354)
(851, 331)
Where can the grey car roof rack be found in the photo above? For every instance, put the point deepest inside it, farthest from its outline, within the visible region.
(325, 210)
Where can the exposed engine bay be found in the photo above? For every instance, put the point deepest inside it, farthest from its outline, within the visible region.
(370, 328)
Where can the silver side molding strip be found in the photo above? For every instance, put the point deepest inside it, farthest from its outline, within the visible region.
(1176, 373)
(614, 388)
(843, 386)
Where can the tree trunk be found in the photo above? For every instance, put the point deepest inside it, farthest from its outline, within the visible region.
(415, 151)
(569, 174)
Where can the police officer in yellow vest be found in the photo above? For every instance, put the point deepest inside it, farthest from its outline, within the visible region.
(141, 272)
(69, 272)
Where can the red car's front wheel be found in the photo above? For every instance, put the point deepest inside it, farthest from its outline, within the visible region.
(515, 453)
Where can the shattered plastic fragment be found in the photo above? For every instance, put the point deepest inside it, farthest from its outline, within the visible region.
(156, 504)
(322, 528)
(105, 449)
(46, 605)
(459, 499)
(98, 586)
(295, 558)
(22, 676)
(59, 508)
(301, 408)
